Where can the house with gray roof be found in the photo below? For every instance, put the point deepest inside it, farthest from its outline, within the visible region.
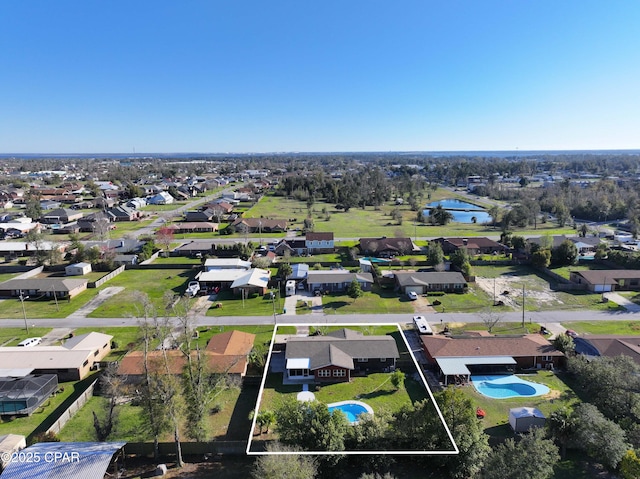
(337, 280)
(424, 282)
(338, 356)
(59, 288)
(606, 280)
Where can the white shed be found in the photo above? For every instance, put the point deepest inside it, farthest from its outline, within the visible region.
(522, 419)
(78, 269)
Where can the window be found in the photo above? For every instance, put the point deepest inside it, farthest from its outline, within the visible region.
(383, 360)
(547, 358)
(85, 362)
(362, 360)
(339, 373)
(95, 353)
(324, 373)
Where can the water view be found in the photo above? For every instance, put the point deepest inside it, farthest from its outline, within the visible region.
(462, 211)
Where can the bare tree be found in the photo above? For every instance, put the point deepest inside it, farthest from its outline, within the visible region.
(490, 318)
(112, 386)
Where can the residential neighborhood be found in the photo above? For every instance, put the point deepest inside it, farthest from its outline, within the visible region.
(223, 303)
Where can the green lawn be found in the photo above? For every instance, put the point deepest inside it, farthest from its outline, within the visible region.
(11, 308)
(496, 421)
(373, 221)
(583, 266)
(254, 305)
(375, 389)
(377, 301)
(155, 283)
(12, 336)
(473, 300)
(498, 329)
(604, 327)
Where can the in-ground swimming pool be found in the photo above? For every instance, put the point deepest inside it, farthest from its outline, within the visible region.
(351, 409)
(504, 387)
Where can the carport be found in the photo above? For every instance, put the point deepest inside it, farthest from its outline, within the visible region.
(460, 368)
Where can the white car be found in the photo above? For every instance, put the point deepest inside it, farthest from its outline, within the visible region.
(412, 295)
(29, 342)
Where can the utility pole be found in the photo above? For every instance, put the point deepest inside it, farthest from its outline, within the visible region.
(523, 305)
(24, 311)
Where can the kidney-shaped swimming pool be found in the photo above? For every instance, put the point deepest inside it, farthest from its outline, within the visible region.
(509, 386)
(351, 409)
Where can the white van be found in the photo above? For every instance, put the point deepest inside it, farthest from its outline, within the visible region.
(30, 342)
(422, 325)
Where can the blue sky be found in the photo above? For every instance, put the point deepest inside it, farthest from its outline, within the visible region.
(89, 76)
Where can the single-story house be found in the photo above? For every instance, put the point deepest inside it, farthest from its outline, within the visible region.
(162, 198)
(338, 356)
(522, 419)
(61, 215)
(337, 280)
(474, 245)
(387, 247)
(456, 358)
(605, 280)
(60, 288)
(261, 225)
(295, 247)
(71, 361)
(195, 246)
(194, 227)
(226, 353)
(122, 213)
(425, 282)
(319, 243)
(77, 269)
(98, 221)
(117, 246)
(205, 215)
(610, 345)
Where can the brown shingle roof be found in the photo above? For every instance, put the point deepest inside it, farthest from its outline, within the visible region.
(231, 342)
(524, 346)
(133, 365)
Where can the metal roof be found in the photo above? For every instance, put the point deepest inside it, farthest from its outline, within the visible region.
(458, 366)
(63, 460)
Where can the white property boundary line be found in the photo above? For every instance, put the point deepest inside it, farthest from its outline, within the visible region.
(455, 449)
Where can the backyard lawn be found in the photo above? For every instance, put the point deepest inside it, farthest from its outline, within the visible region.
(155, 283)
(496, 421)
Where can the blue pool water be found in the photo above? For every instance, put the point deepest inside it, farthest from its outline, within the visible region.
(504, 387)
(377, 260)
(462, 212)
(351, 409)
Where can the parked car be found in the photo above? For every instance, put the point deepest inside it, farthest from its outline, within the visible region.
(412, 295)
(29, 342)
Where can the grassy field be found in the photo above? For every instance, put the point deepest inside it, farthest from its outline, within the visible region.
(372, 221)
(12, 336)
(583, 266)
(155, 283)
(254, 305)
(11, 308)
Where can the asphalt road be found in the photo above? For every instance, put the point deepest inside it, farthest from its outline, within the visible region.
(321, 319)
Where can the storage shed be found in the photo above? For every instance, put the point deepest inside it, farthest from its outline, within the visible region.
(522, 419)
(78, 269)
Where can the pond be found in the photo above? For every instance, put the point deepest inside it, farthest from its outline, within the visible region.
(461, 210)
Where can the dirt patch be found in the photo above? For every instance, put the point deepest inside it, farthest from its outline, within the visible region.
(553, 394)
(509, 291)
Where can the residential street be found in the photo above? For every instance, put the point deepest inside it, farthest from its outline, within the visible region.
(544, 318)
